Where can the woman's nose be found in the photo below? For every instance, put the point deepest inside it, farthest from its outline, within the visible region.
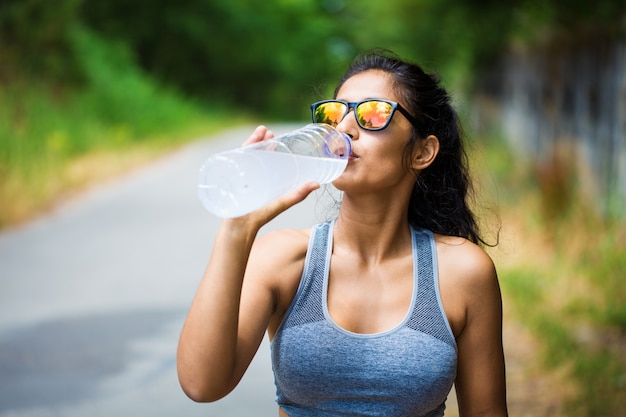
(348, 125)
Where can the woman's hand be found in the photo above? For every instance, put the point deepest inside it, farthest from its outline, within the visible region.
(265, 214)
(260, 134)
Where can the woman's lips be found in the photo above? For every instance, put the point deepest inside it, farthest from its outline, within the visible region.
(353, 156)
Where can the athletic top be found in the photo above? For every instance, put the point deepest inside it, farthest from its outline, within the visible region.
(321, 369)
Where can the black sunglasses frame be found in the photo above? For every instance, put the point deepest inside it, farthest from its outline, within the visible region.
(354, 104)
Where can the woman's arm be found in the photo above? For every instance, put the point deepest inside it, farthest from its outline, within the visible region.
(229, 314)
(481, 382)
(210, 357)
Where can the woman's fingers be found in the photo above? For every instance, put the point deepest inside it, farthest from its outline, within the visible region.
(294, 197)
(261, 133)
(275, 207)
(288, 200)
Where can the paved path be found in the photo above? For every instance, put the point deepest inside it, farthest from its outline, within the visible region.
(92, 298)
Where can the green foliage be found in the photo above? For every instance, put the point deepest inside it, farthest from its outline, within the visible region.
(261, 55)
(33, 38)
(592, 353)
(535, 18)
(119, 93)
(45, 127)
(451, 38)
(605, 266)
(114, 95)
(274, 57)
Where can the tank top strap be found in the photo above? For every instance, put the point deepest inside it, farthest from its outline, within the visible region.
(307, 306)
(428, 316)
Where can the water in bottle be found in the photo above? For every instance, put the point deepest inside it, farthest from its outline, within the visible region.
(236, 182)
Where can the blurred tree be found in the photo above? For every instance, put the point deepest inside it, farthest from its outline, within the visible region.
(33, 39)
(274, 57)
(451, 37)
(249, 53)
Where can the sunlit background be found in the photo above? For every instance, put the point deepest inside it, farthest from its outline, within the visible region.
(93, 88)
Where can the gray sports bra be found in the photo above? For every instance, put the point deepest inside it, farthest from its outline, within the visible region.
(323, 370)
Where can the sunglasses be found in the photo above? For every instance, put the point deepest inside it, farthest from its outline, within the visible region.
(372, 114)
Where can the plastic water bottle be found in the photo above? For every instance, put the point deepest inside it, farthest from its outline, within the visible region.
(236, 182)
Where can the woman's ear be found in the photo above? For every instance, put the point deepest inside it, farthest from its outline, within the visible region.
(424, 153)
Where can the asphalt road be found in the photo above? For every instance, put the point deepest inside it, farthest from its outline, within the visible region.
(93, 296)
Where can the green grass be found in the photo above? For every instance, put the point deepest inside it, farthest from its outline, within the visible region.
(52, 143)
(592, 351)
(56, 138)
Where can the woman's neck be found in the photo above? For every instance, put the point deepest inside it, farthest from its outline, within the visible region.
(373, 230)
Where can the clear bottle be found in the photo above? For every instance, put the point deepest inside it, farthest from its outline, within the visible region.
(236, 182)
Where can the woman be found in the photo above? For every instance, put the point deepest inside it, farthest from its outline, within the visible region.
(380, 311)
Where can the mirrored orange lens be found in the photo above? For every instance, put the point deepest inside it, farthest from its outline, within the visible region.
(373, 114)
(330, 113)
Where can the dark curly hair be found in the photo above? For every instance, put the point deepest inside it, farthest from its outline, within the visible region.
(441, 194)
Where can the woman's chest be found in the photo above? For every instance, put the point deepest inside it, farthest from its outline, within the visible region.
(319, 364)
(372, 299)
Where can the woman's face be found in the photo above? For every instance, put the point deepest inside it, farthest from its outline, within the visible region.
(376, 162)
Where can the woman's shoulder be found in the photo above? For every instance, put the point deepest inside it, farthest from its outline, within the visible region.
(277, 260)
(467, 280)
(465, 262)
(279, 251)
(287, 241)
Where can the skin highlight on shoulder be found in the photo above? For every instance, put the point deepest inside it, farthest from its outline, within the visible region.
(466, 273)
(278, 258)
(284, 241)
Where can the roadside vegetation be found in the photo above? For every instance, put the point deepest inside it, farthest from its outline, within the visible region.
(561, 268)
(56, 137)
